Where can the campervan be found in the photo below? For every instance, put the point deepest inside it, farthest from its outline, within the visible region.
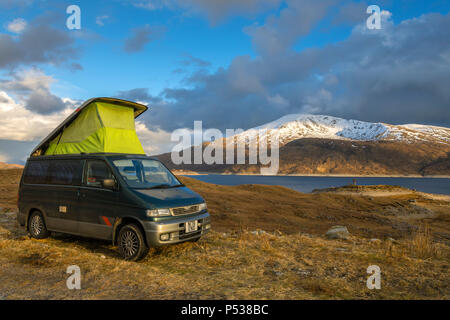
(90, 177)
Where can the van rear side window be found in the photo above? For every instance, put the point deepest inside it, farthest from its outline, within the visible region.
(36, 172)
(61, 172)
(67, 172)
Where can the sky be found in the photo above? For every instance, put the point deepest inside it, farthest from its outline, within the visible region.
(232, 64)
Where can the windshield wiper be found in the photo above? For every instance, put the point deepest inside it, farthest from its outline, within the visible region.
(166, 186)
(161, 186)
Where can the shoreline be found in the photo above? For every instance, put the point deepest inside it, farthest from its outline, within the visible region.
(311, 175)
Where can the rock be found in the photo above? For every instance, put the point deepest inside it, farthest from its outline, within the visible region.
(338, 232)
(258, 232)
(389, 239)
(303, 273)
(103, 257)
(375, 240)
(278, 233)
(306, 234)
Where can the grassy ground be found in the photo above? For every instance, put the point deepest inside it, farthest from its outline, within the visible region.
(388, 212)
(292, 261)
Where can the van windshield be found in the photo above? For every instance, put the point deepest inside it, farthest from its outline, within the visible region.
(145, 174)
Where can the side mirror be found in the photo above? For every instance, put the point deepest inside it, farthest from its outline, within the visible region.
(109, 184)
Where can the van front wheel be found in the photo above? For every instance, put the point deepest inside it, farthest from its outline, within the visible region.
(131, 241)
(36, 226)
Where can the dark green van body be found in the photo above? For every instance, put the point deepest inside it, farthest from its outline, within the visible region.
(69, 205)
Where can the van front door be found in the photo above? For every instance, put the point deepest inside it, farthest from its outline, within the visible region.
(97, 205)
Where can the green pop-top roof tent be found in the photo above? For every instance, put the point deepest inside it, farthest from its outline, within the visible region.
(100, 125)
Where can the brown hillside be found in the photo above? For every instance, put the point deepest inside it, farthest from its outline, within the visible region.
(327, 156)
(393, 213)
(4, 165)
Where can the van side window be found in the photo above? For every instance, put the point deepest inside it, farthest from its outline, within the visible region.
(36, 172)
(96, 172)
(65, 172)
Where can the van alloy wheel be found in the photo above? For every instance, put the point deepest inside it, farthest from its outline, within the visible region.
(131, 241)
(37, 226)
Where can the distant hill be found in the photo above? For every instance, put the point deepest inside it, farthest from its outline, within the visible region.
(317, 144)
(4, 165)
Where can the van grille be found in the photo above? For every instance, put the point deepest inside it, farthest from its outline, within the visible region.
(184, 210)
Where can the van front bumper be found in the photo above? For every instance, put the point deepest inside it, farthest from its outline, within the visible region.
(175, 229)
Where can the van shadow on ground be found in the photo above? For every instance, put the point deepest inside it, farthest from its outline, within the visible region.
(10, 226)
(102, 247)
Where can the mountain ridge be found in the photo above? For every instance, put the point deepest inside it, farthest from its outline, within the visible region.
(296, 126)
(320, 144)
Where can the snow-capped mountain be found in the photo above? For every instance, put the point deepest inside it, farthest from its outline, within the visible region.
(340, 146)
(297, 126)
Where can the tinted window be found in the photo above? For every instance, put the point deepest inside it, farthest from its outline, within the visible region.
(67, 172)
(36, 172)
(96, 172)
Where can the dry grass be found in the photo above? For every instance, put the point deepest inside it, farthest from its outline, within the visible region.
(364, 189)
(423, 245)
(278, 208)
(234, 263)
(237, 265)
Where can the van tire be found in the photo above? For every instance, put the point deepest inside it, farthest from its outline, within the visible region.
(131, 243)
(37, 227)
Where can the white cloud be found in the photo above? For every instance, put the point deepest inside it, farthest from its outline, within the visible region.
(386, 14)
(32, 88)
(28, 80)
(154, 142)
(20, 124)
(100, 20)
(17, 25)
(4, 158)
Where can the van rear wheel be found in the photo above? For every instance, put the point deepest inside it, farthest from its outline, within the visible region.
(131, 242)
(36, 226)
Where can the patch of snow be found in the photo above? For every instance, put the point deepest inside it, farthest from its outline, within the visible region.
(297, 126)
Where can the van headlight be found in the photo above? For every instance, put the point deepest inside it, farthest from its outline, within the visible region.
(158, 213)
(202, 206)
